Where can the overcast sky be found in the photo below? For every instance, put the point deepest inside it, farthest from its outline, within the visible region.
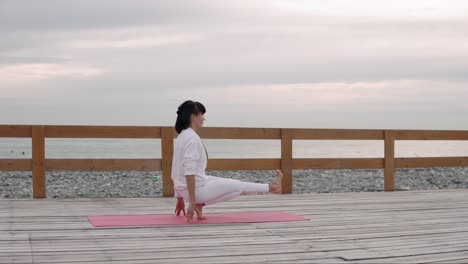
(312, 64)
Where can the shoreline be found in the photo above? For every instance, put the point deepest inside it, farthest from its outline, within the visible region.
(114, 184)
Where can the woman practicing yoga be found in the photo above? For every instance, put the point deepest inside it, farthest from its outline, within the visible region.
(189, 163)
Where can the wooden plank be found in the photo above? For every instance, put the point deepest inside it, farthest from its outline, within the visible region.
(69, 244)
(15, 131)
(103, 164)
(429, 162)
(287, 159)
(453, 260)
(389, 170)
(240, 133)
(251, 259)
(191, 255)
(338, 163)
(381, 243)
(431, 134)
(15, 164)
(244, 164)
(102, 132)
(418, 258)
(167, 152)
(300, 260)
(38, 162)
(338, 134)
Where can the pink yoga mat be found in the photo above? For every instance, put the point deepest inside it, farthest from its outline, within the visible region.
(171, 219)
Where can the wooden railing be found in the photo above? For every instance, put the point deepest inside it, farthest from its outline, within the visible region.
(39, 164)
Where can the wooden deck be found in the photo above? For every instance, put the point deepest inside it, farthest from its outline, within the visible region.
(390, 227)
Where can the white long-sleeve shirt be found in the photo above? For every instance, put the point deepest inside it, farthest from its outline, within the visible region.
(189, 158)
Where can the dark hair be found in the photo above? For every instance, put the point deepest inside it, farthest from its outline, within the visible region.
(184, 114)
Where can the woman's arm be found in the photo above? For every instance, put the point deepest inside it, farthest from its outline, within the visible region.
(191, 163)
(191, 190)
(180, 206)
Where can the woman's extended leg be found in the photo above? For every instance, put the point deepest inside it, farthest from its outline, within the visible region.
(221, 189)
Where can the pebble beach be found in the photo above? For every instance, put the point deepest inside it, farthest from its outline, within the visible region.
(66, 184)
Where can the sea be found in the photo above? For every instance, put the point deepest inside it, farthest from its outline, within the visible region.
(223, 148)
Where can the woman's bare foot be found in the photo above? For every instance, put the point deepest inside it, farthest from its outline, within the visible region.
(199, 211)
(275, 187)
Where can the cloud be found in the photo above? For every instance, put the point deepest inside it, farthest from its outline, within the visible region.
(401, 104)
(24, 80)
(389, 95)
(243, 42)
(372, 8)
(56, 15)
(132, 43)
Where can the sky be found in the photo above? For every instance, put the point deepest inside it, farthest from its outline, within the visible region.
(367, 64)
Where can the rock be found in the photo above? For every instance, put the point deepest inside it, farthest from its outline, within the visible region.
(403, 188)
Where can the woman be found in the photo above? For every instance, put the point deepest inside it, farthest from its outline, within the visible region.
(189, 164)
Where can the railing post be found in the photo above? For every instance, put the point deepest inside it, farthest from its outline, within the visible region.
(286, 159)
(38, 162)
(167, 151)
(389, 174)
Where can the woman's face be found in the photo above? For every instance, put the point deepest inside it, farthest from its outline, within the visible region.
(197, 120)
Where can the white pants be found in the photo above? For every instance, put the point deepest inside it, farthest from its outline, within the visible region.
(219, 189)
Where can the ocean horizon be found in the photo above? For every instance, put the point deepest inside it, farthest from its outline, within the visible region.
(223, 148)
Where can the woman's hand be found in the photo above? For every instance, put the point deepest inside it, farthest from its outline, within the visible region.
(190, 212)
(180, 206)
